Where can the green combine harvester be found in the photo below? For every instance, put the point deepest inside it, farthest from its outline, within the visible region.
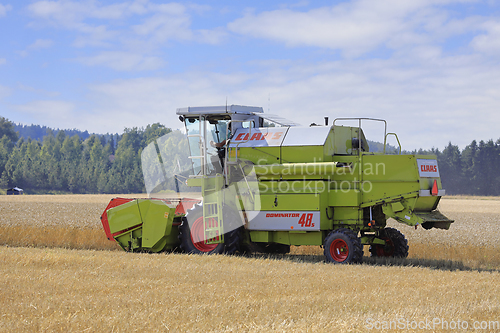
(258, 182)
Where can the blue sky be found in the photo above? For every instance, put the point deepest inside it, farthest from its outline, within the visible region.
(430, 68)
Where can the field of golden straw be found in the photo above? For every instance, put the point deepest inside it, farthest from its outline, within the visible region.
(59, 273)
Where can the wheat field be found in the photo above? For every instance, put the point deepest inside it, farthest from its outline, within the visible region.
(58, 275)
(68, 221)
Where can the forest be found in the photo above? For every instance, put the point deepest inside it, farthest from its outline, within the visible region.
(60, 163)
(69, 163)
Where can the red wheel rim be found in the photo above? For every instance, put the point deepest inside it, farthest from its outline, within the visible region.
(198, 235)
(339, 250)
(386, 250)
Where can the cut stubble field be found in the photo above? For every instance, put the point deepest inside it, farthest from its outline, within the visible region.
(60, 273)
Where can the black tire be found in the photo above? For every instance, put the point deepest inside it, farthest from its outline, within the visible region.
(278, 248)
(396, 245)
(233, 227)
(189, 243)
(268, 248)
(232, 241)
(343, 246)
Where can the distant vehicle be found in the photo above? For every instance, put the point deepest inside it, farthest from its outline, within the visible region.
(15, 191)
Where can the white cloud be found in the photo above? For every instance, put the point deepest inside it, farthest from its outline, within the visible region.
(37, 91)
(98, 36)
(354, 27)
(127, 45)
(41, 44)
(65, 13)
(4, 92)
(434, 101)
(159, 22)
(173, 22)
(72, 13)
(4, 9)
(123, 61)
(427, 105)
(37, 45)
(168, 23)
(49, 112)
(214, 37)
(3, 61)
(428, 96)
(488, 42)
(143, 101)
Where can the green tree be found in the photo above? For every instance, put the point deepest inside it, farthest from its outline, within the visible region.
(469, 167)
(7, 128)
(450, 167)
(6, 147)
(153, 132)
(486, 167)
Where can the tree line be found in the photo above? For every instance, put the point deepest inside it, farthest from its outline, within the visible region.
(37, 132)
(63, 163)
(472, 171)
(112, 164)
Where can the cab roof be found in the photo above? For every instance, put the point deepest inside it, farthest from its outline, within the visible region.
(231, 109)
(234, 109)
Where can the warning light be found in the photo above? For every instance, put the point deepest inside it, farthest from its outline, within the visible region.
(434, 190)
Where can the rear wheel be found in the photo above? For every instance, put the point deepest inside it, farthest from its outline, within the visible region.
(396, 245)
(343, 246)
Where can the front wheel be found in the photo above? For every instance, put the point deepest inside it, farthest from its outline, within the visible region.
(343, 246)
(192, 234)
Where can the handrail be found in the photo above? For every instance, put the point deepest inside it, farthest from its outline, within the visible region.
(385, 142)
(226, 155)
(359, 125)
(226, 152)
(203, 153)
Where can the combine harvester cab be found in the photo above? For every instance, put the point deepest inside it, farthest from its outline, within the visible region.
(266, 183)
